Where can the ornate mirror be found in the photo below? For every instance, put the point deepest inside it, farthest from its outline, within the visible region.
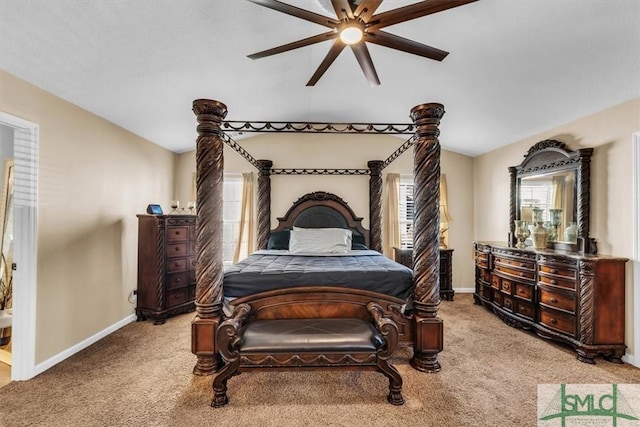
(553, 183)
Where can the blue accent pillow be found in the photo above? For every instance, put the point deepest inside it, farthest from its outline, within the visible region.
(279, 240)
(358, 243)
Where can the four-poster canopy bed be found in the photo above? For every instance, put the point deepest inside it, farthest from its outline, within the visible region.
(419, 328)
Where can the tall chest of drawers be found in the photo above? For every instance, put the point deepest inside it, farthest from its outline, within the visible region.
(166, 266)
(574, 298)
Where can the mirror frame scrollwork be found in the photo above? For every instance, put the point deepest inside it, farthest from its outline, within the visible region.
(553, 156)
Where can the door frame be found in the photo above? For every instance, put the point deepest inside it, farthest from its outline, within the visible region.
(635, 197)
(26, 147)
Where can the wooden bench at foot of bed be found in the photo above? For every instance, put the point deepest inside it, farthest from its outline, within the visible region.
(312, 343)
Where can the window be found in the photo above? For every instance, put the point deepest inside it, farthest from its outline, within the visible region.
(232, 202)
(405, 212)
(536, 194)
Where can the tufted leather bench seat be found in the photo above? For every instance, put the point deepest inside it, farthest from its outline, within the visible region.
(310, 335)
(288, 344)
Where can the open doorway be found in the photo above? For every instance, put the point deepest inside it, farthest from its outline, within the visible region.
(23, 239)
(6, 252)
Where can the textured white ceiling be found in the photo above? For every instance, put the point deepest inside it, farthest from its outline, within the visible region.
(515, 67)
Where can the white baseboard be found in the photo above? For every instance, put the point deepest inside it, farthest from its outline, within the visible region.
(464, 290)
(52, 361)
(631, 360)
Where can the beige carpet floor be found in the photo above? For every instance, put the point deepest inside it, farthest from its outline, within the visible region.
(141, 376)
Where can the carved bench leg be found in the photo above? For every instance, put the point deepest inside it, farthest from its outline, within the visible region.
(220, 384)
(395, 382)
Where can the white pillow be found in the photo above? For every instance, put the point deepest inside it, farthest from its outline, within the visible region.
(320, 240)
(295, 227)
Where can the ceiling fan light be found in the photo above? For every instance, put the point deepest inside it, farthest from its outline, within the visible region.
(351, 35)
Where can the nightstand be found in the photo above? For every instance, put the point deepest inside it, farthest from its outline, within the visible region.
(405, 257)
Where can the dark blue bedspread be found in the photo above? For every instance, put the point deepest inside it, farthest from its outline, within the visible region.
(367, 270)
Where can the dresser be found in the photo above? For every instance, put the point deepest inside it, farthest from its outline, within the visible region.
(569, 297)
(166, 266)
(405, 257)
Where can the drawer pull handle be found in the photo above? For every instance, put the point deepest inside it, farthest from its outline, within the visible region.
(176, 296)
(521, 291)
(553, 282)
(177, 264)
(553, 271)
(553, 300)
(522, 264)
(178, 280)
(553, 321)
(522, 274)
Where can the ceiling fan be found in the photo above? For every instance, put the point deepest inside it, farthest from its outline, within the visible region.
(355, 25)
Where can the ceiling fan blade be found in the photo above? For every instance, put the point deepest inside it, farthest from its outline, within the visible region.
(366, 9)
(413, 11)
(295, 45)
(364, 59)
(297, 12)
(342, 7)
(400, 43)
(335, 50)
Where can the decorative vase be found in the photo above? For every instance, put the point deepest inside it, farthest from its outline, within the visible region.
(551, 230)
(539, 236)
(555, 223)
(571, 233)
(521, 232)
(537, 215)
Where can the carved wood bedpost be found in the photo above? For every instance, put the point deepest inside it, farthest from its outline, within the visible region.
(375, 205)
(264, 202)
(513, 171)
(426, 247)
(209, 271)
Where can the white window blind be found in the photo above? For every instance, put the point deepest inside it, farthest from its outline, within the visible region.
(405, 212)
(537, 194)
(232, 200)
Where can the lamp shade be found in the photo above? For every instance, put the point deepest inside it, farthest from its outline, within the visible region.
(445, 217)
(444, 214)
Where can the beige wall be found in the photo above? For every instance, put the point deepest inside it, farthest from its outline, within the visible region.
(351, 152)
(609, 133)
(94, 177)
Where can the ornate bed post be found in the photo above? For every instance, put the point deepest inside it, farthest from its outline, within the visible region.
(375, 205)
(426, 251)
(513, 171)
(264, 202)
(209, 271)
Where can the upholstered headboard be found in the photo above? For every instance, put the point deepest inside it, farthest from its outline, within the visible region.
(322, 210)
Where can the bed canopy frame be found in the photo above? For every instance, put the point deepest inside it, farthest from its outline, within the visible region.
(427, 327)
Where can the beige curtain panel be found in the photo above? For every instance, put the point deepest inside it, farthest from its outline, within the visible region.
(246, 241)
(391, 237)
